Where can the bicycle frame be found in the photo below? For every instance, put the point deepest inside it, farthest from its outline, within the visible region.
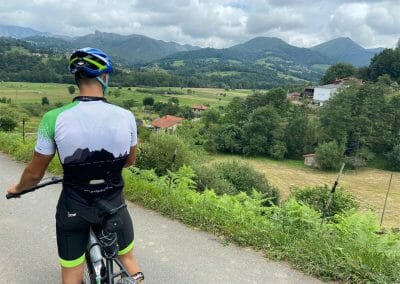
(104, 274)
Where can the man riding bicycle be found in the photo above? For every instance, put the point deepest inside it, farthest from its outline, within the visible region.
(94, 141)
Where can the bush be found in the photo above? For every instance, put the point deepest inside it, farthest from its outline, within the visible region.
(209, 178)
(7, 124)
(245, 179)
(71, 90)
(148, 101)
(45, 101)
(329, 155)
(317, 197)
(164, 152)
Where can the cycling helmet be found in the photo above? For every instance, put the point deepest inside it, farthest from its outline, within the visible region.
(89, 62)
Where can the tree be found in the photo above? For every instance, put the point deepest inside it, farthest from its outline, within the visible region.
(173, 100)
(337, 71)
(386, 62)
(164, 152)
(128, 104)
(148, 101)
(394, 158)
(262, 130)
(45, 101)
(300, 136)
(71, 90)
(186, 112)
(329, 155)
(210, 116)
(229, 138)
(7, 124)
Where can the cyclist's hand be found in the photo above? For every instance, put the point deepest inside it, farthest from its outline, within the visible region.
(14, 190)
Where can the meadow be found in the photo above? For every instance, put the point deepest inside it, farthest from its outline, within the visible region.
(368, 185)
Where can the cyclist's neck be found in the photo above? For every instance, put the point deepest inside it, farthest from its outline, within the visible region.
(93, 90)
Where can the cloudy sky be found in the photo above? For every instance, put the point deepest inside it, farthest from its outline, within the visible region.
(217, 23)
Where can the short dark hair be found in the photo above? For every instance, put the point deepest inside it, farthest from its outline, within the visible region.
(80, 79)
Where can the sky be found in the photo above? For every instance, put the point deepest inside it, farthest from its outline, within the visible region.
(217, 23)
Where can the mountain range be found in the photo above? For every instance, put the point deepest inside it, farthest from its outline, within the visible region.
(271, 58)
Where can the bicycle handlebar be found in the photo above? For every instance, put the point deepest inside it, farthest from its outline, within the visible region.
(53, 180)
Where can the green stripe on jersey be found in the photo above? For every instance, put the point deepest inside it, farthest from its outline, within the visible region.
(48, 123)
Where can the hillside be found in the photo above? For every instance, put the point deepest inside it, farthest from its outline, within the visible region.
(17, 32)
(126, 50)
(346, 50)
(269, 61)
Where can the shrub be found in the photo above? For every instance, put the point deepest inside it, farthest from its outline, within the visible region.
(148, 101)
(317, 197)
(7, 124)
(209, 178)
(164, 152)
(329, 155)
(245, 179)
(45, 101)
(71, 90)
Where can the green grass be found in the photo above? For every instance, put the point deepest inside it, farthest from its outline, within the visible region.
(347, 250)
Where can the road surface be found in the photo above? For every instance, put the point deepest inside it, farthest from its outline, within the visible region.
(168, 251)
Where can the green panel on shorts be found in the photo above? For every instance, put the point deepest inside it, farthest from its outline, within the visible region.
(72, 263)
(127, 249)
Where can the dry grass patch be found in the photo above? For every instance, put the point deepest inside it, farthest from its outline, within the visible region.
(368, 185)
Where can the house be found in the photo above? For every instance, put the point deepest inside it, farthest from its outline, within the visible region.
(309, 92)
(311, 160)
(198, 109)
(320, 94)
(166, 123)
(293, 96)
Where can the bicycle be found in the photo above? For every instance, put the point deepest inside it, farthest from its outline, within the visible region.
(102, 249)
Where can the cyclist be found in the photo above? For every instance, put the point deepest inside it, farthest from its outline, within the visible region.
(94, 140)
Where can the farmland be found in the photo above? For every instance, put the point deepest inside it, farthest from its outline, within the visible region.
(368, 185)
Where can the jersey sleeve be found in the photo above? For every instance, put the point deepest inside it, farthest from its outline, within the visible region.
(133, 129)
(45, 141)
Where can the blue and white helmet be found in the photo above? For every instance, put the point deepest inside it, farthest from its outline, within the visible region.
(90, 62)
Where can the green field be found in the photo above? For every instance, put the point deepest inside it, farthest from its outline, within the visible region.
(32, 93)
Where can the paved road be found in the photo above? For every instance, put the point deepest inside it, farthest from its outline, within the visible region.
(168, 251)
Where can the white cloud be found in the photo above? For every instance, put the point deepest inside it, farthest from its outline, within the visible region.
(218, 23)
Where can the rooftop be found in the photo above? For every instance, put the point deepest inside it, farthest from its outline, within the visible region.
(166, 121)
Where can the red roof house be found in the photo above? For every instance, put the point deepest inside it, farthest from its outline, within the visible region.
(199, 107)
(168, 122)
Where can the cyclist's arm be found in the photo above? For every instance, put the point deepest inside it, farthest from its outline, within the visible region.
(131, 158)
(33, 173)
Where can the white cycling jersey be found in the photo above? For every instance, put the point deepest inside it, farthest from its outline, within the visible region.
(87, 130)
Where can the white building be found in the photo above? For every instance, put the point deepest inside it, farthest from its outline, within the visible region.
(325, 92)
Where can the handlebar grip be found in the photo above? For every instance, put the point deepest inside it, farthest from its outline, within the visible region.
(11, 195)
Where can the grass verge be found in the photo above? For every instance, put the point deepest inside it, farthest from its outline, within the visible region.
(347, 249)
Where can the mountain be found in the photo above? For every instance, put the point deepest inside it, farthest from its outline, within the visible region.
(17, 32)
(345, 50)
(257, 50)
(269, 61)
(126, 50)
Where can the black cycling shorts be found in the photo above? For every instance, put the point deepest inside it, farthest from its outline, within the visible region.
(73, 222)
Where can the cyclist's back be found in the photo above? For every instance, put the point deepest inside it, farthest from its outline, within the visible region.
(93, 140)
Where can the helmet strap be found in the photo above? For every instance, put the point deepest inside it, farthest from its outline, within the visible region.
(104, 84)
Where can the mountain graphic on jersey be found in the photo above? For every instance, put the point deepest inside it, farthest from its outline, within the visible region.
(87, 156)
(85, 165)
